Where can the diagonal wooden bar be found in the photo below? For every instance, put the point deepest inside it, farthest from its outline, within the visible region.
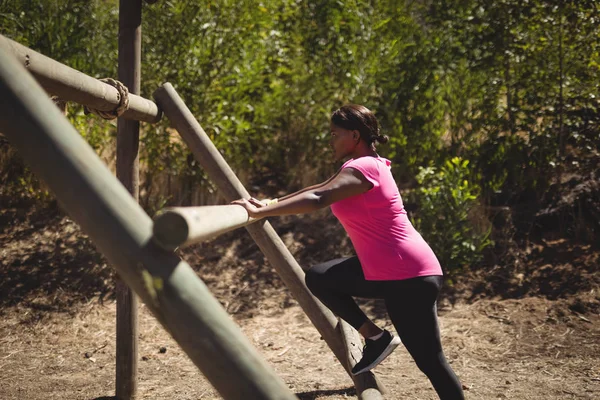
(182, 226)
(72, 85)
(122, 231)
(267, 239)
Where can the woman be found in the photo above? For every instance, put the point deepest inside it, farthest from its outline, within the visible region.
(393, 261)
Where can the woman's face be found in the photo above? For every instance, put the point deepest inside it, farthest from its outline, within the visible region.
(343, 141)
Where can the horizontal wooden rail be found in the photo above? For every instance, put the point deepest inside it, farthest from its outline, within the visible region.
(98, 202)
(182, 226)
(72, 85)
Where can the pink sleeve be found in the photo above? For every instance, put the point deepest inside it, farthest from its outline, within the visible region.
(366, 166)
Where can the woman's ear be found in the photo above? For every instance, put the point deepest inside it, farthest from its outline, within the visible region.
(356, 136)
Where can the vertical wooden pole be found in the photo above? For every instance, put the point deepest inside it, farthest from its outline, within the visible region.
(130, 49)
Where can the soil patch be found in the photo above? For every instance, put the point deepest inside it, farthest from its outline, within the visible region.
(538, 340)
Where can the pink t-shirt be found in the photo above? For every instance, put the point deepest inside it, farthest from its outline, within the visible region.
(386, 243)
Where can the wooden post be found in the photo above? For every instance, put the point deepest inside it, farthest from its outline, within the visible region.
(128, 141)
(176, 227)
(96, 200)
(71, 85)
(262, 232)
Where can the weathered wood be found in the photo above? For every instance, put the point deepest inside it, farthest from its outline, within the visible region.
(182, 226)
(128, 142)
(72, 85)
(262, 232)
(126, 369)
(118, 226)
(370, 387)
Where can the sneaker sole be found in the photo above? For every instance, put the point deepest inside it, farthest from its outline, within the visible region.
(388, 350)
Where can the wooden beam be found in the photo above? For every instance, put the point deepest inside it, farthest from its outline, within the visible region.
(72, 85)
(98, 202)
(182, 226)
(128, 143)
(262, 232)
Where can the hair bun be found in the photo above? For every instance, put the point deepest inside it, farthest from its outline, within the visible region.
(383, 139)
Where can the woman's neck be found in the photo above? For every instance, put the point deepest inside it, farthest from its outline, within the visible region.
(364, 151)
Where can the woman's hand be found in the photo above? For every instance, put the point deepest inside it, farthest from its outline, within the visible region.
(251, 205)
(258, 203)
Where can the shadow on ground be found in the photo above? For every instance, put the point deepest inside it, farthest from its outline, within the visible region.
(315, 394)
(45, 257)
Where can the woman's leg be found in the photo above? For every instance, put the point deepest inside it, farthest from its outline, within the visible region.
(412, 308)
(336, 282)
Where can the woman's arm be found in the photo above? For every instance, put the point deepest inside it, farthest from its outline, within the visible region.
(288, 196)
(346, 183)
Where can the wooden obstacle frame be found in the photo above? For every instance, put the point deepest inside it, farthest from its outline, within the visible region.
(108, 212)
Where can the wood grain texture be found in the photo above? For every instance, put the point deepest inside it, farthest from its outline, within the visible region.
(176, 227)
(128, 172)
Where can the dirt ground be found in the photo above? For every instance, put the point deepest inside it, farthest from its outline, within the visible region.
(57, 329)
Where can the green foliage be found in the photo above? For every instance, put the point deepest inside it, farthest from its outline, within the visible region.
(98, 134)
(79, 33)
(510, 85)
(447, 214)
(526, 64)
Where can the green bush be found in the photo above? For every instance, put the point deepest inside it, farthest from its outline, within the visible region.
(447, 215)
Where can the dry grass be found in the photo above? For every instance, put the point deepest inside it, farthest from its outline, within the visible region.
(500, 349)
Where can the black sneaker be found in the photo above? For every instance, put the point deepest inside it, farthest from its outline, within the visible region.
(375, 351)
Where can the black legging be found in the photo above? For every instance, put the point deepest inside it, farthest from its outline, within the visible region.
(410, 303)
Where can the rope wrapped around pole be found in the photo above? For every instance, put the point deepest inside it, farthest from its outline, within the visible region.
(123, 101)
(75, 86)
